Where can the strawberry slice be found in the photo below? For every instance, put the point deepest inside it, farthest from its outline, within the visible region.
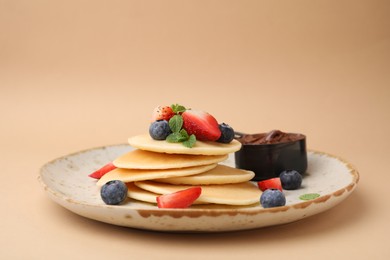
(203, 125)
(162, 113)
(273, 183)
(180, 199)
(100, 172)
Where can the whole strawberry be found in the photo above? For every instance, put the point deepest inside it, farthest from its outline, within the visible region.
(162, 113)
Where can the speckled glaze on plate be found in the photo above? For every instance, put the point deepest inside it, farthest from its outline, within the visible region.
(67, 183)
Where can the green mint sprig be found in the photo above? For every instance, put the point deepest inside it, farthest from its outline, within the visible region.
(179, 135)
(178, 108)
(190, 142)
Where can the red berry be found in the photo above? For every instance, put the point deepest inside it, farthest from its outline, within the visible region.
(203, 125)
(273, 183)
(162, 113)
(100, 172)
(179, 199)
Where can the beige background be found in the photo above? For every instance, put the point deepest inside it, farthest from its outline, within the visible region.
(82, 74)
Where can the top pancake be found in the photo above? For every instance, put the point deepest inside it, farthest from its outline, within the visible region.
(145, 142)
(140, 159)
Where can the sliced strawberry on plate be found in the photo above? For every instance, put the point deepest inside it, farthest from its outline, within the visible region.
(162, 113)
(273, 183)
(203, 125)
(180, 199)
(100, 172)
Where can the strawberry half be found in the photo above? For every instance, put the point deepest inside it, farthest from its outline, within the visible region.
(180, 199)
(203, 125)
(273, 183)
(99, 173)
(162, 113)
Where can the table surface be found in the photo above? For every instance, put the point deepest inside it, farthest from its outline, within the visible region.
(81, 74)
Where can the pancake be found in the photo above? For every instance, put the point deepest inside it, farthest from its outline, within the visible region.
(131, 175)
(145, 142)
(140, 159)
(221, 174)
(245, 193)
(137, 193)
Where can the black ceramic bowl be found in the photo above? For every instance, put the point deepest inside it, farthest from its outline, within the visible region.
(269, 160)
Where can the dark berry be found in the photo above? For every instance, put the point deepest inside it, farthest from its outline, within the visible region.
(272, 198)
(159, 130)
(114, 192)
(290, 179)
(227, 133)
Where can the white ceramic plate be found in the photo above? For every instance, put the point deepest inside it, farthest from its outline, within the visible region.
(66, 181)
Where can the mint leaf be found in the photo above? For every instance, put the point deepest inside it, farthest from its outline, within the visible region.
(178, 108)
(172, 138)
(309, 196)
(184, 134)
(190, 142)
(175, 138)
(175, 123)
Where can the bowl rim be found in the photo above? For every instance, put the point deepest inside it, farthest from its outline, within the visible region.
(237, 134)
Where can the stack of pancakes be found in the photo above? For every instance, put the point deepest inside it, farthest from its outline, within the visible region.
(158, 167)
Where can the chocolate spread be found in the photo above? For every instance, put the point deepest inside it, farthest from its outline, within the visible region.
(272, 137)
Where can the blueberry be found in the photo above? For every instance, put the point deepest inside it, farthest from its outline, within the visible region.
(159, 130)
(290, 179)
(272, 198)
(227, 133)
(114, 192)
